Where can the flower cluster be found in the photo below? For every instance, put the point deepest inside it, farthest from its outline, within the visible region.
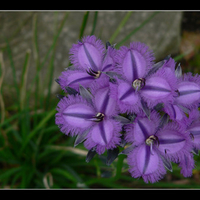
(123, 98)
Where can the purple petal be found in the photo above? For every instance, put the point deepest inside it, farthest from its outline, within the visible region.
(156, 88)
(174, 111)
(103, 102)
(189, 93)
(141, 128)
(188, 90)
(174, 142)
(73, 78)
(128, 99)
(194, 129)
(187, 165)
(88, 53)
(159, 87)
(109, 59)
(135, 61)
(73, 115)
(146, 164)
(104, 135)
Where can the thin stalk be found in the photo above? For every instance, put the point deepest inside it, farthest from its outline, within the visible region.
(94, 22)
(121, 25)
(2, 74)
(84, 22)
(23, 85)
(119, 166)
(37, 63)
(137, 29)
(13, 68)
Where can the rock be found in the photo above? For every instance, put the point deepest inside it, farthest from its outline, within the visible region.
(162, 34)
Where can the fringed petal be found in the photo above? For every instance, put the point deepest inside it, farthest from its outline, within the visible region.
(127, 99)
(74, 78)
(174, 141)
(146, 164)
(188, 90)
(159, 88)
(187, 164)
(170, 65)
(141, 128)
(103, 101)
(175, 112)
(194, 130)
(74, 114)
(135, 61)
(104, 135)
(109, 60)
(88, 53)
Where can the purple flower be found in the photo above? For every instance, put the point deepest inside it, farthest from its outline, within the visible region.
(187, 95)
(93, 118)
(91, 62)
(106, 82)
(155, 147)
(137, 83)
(192, 123)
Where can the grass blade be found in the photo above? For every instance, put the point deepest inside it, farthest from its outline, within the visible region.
(37, 128)
(85, 18)
(2, 74)
(24, 79)
(123, 22)
(9, 172)
(51, 67)
(180, 56)
(94, 22)
(119, 166)
(64, 173)
(136, 29)
(51, 48)
(13, 67)
(55, 38)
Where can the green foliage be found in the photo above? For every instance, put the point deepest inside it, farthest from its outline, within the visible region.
(33, 152)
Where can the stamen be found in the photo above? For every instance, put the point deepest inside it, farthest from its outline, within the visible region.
(138, 83)
(98, 117)
(150, 141)
(93, 73)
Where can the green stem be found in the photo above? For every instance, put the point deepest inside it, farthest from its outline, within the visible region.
(119, 166)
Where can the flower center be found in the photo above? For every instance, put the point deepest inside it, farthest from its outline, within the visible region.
(99, 117)
(138, 84)
(149, 141)
(93, 73)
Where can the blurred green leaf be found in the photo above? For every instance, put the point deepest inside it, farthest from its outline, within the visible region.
(37, 128)
(84, 23)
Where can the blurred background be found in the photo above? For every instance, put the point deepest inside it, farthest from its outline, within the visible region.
(34, 50)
